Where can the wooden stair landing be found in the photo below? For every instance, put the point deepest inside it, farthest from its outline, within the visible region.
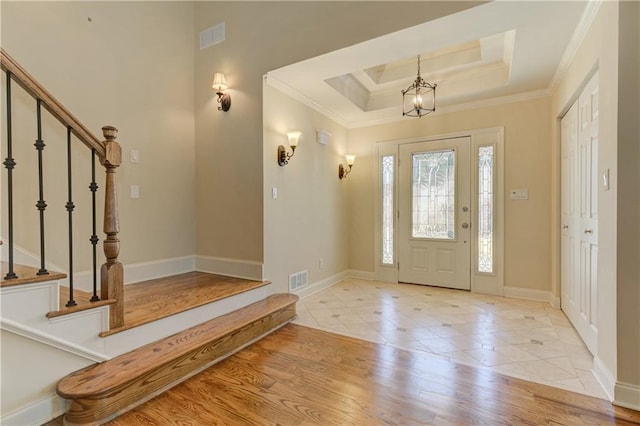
(148, 301)
(100, 392)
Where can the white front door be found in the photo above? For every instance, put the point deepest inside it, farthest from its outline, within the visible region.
(435, 213)
(579, 210)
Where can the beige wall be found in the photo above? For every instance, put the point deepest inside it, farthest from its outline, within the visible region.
(527, 165)
(308, 221)
(599, 49)
(131, 66)
(262, 36)
(610, 47)
(628, 315)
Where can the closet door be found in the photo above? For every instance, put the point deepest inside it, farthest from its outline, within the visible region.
(579, 210)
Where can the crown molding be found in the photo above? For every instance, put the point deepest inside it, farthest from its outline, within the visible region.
(484, 103)
(288, 90)
(588, 16)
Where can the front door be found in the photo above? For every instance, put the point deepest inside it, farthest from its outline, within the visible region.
(435, 213)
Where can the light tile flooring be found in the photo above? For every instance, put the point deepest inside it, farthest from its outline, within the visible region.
(519, 338)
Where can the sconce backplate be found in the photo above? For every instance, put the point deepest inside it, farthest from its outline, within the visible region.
(225, 101)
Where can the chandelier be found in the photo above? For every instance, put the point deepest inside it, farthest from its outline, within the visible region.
(420, 98)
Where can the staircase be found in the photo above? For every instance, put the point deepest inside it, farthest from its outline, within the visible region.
(102, 391)
(132, 341)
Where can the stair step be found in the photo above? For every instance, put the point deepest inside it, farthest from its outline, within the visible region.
(149, 301)
(102, 391)
(26, 275)
(82, 299)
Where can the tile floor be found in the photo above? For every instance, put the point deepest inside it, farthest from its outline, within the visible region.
(520, 338)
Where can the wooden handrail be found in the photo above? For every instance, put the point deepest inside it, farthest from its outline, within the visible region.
(51, 104)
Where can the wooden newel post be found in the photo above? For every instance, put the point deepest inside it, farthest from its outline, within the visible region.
(112, 272)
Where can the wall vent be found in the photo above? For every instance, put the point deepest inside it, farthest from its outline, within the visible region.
(298, 280)
(211, 36)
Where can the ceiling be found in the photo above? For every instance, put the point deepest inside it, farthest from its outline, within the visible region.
(497, 52)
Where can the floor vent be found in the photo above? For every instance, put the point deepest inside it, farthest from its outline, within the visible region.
(298, 280)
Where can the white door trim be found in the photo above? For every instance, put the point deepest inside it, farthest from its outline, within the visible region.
(480, 282)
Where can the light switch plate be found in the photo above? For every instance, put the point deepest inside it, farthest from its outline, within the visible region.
(274, 193)
(135, 191)
(135, 156)
(605, 180)
(519, 194)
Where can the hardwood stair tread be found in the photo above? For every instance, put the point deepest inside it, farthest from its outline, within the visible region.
(109, 375)
(146, 301)
(26, 275)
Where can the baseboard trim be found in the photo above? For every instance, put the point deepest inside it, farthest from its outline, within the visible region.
(555, 301)
(47, 339)
(136, 272)
(361, 275)
(311, 289)
(627, 395)
(37, 412)
(605, 377)
(239, 268)
(529, 294)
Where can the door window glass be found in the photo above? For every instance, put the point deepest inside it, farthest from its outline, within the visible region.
(433, 195)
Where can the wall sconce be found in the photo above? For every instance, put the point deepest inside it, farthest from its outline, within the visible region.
(283, 155)
(342, 171)
(219, 85)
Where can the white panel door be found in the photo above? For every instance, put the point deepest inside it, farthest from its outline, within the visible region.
(580, 214)
(435, 215)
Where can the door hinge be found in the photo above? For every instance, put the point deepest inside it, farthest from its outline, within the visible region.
(398, 266)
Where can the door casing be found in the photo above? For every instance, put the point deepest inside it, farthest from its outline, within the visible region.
(480, 282)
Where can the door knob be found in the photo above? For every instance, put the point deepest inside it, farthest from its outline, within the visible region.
(565, 226)
(465, 225)
(588, 231)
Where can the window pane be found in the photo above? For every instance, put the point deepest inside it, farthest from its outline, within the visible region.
(485, 210)
(433, 198)
(387, 209)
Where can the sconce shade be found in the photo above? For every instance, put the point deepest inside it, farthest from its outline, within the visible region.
(219, 82)
(344, 171)
(294, 138)
(283, 155)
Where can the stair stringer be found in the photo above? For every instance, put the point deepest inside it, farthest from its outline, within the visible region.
(25, 307)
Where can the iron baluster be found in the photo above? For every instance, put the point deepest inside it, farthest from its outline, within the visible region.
(70, 207)
(41, 205)
(9, 164)
(94, 238)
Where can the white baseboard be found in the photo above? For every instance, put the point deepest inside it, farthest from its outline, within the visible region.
(529, 294)
(627, 395)
(555, 301)
(361, 275)
(239, 268)
(605, 377)
(136, 272)
(311, 289)
(36, 413)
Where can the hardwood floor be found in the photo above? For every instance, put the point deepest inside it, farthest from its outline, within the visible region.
(303, 376)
